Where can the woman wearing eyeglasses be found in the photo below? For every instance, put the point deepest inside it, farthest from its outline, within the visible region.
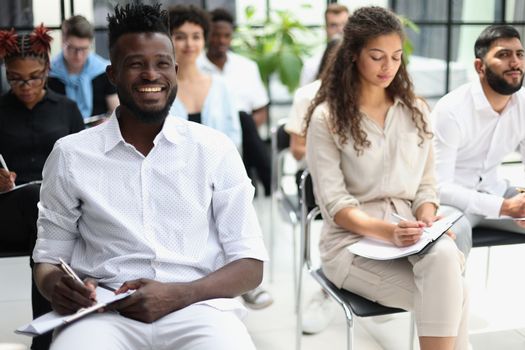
(32, 119)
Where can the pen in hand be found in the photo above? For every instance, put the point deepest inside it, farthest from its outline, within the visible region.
(399, 217)
(69, 271)
(4, 165)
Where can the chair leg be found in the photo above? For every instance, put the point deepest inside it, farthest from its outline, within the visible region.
(298, 302)
(349, 334)
(487, 269)
(273, 217)
(294, 263)
(299, 320)
(411, 332)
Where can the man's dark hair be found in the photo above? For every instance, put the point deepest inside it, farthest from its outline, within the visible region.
(220, 14)
(180, 14)
(78, 26)
(491, 34)
(137, 18)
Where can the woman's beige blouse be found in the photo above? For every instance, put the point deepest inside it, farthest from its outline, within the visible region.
(393, 174)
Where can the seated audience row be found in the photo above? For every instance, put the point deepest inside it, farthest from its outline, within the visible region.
(372, 147)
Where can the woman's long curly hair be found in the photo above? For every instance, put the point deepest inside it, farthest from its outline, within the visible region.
(341, 85)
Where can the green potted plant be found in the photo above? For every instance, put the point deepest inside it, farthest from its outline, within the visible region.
(275, 45)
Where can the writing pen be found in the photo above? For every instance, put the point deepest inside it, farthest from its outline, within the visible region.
(4, 165)
(399, 217)
(69, 271)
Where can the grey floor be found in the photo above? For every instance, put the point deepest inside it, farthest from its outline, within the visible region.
(497, 318)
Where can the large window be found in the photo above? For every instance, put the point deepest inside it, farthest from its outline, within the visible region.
(444, 48)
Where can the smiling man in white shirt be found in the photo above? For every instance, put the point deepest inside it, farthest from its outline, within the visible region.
(151, 203)
(475, 126)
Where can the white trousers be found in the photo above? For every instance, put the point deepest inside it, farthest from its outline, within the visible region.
(196, 327)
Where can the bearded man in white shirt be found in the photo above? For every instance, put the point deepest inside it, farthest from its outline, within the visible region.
(475, 126)
(151, 203)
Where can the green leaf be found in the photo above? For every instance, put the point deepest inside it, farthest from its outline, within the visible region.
(289, 69)
(249, 11)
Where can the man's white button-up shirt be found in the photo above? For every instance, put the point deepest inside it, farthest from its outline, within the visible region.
(471, 140)
(176, 215)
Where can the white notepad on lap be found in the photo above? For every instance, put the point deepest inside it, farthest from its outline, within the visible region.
(381, 250)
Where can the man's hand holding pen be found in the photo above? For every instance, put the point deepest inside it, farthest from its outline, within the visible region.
(70, 293)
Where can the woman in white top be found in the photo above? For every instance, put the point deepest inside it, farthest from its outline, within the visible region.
(201, 98)
(370, 154)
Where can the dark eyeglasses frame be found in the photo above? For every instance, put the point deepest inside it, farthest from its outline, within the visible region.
(76, 50)
(32, 82)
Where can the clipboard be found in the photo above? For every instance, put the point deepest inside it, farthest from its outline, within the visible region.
(381, 250)
(52, 320)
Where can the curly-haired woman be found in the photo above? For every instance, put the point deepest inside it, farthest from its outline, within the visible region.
(370, 154)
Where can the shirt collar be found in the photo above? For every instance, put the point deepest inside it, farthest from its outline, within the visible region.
(397, 102)
(207, 64)
(112, 133)
(482, 103)
(173, 130)
(478, 96)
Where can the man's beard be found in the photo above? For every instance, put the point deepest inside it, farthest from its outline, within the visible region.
(499, 84)
(149, 117)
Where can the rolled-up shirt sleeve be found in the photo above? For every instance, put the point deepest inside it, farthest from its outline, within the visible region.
(58, 211)
(324, 162)
(235, 218)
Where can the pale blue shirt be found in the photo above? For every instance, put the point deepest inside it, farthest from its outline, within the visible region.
(218, 112)
(176, 215)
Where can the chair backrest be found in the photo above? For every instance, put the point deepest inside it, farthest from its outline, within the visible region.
(282, 138)
(280, 141)
(307, 190)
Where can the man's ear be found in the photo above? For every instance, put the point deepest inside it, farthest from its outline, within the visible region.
(479, 67)
(111, 74)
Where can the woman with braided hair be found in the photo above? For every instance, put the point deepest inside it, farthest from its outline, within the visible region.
(32, 118)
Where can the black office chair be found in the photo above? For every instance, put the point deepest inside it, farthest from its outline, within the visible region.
(286, 204)
(352, 304)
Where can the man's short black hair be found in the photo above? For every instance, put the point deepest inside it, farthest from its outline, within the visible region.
(180, 14)
(221, 14)
(137, 18)
(491, 34)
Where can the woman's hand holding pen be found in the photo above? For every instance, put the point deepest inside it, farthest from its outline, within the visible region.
(407, 232)
(7, 180)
